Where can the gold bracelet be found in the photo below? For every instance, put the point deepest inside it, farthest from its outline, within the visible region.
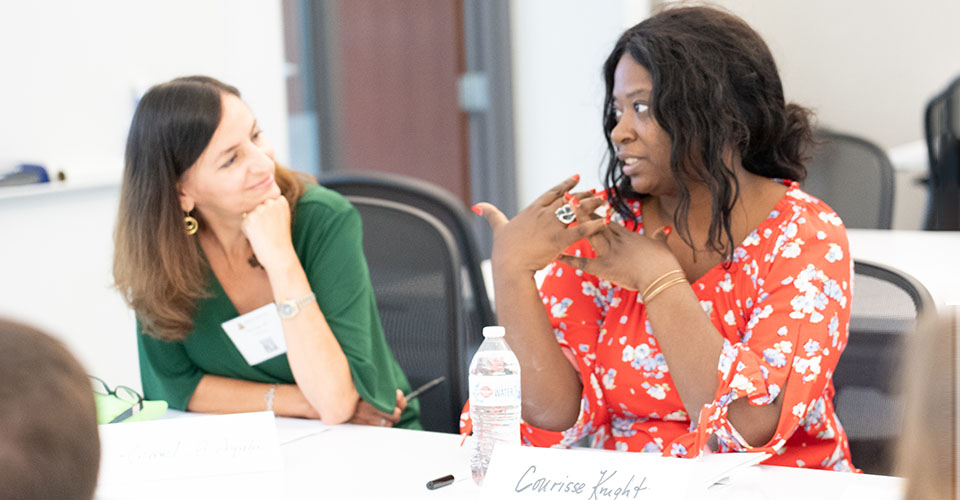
(663, 277)
(663, 287)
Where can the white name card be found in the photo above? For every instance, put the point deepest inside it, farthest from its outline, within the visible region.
(548, 473)
(189, 447)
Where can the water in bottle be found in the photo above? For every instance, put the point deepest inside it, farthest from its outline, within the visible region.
(494, 399)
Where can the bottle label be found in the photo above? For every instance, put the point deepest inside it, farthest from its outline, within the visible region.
(500, 390)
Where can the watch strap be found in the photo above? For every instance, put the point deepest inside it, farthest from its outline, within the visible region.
(295, 305)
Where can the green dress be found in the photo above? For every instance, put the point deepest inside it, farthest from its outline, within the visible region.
(327, 237)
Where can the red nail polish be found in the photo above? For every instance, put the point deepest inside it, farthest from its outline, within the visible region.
(576, 177)
(567, 196)
(667, 230)
(592, 191)
(477, 210)
(574, 201)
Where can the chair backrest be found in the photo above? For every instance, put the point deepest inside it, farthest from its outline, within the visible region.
(450, 211)
(887, 304)
(942, 127)
(415, 271)
(854, 177)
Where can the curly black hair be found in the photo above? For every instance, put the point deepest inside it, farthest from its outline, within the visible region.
(715, 86)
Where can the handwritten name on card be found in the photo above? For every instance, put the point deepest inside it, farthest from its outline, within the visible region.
(550, 473)
(189, 447)
(602, 486)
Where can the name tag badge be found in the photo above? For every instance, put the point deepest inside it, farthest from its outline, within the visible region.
(258, 335)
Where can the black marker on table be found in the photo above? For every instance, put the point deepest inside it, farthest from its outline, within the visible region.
(423, 388)
(440, 482)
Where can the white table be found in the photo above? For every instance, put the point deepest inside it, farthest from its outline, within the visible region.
(932, 257)
(350, 461)
(361, 462)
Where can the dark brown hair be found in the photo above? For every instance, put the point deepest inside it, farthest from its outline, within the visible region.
(49, 445)
(715, 86)
(159, 269)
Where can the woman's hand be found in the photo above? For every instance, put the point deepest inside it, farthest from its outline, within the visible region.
(535, 237)
(366, 414)
(267, 227)
(624, 257)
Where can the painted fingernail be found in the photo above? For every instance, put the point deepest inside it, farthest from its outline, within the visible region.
(592, 191)
(606, 221)
(576, 177)
(476, 209)
(667, 230)
(567, 196)
(574, 201)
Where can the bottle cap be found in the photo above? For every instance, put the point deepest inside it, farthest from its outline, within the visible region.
(494, 332)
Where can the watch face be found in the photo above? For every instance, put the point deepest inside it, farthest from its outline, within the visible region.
(286, 310)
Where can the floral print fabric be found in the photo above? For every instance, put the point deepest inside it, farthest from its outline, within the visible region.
(783, 309)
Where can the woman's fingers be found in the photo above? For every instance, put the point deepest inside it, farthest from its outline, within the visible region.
(583, 207)
(590, 205)
(493, 214)
(582, 195)
(557, 191)
(366, 414)
(401, 400)
(587, 229)
(582, 263)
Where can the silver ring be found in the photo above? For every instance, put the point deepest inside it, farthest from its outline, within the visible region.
(565, 214)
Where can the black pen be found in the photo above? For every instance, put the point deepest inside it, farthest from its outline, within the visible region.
(440, 482)
(423, 388)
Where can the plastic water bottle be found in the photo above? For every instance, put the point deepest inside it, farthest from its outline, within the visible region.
(494, 399)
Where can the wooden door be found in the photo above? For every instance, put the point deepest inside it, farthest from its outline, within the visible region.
(396, 65)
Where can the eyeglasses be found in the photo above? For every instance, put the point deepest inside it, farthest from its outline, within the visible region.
(121, 392)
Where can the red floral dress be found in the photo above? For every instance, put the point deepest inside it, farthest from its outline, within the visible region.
(783, 309)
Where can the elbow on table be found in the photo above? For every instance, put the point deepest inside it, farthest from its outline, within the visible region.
(554, 419)
(336, 416)
(757, 425)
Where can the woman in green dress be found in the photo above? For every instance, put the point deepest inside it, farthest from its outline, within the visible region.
(248, 281)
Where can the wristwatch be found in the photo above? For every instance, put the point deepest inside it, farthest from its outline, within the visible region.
(289, 308)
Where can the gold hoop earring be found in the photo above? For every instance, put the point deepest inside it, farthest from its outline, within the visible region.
(190, 225)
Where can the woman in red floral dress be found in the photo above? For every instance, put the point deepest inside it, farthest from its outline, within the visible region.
(722, 334)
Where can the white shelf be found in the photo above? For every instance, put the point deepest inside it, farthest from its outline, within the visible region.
(55, 188)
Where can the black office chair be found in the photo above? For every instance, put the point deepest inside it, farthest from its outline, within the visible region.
(886, 307)
(415, 268)
(854, 177)
(942, 127)
(440, 203)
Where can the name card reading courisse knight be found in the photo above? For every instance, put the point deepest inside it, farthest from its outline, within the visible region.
(588, 474)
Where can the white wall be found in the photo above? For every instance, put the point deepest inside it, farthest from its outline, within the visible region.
(56, 252)
(558, 51)
(71, 72)
(867, 67)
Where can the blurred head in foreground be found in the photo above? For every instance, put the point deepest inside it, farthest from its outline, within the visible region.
(927, 448)
(49, 446)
